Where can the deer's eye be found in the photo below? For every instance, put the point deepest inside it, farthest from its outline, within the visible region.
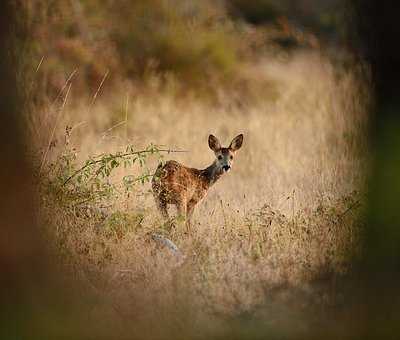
(231, 157)
(219, 157)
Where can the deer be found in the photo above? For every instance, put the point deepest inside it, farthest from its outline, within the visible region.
(184, 187)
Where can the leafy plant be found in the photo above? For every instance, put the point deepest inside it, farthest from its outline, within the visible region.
(92, 182)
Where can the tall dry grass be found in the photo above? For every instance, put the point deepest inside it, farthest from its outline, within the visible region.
(288, 214)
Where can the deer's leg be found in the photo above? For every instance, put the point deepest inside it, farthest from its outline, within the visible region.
(182, 209)
(189, 213)
(162, 207)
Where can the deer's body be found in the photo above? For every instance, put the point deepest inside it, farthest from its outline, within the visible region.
(176, 184)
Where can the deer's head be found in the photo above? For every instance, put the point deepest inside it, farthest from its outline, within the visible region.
(225, 156)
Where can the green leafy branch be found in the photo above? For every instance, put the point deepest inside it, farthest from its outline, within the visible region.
(104, 164)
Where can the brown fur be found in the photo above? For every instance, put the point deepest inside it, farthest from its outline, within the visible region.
(174, 183)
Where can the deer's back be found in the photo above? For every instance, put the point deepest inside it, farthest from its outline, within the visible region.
(173, 182)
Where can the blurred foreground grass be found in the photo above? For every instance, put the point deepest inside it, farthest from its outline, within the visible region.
(281, 248)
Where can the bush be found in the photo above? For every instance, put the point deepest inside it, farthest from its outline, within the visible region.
(175, 36)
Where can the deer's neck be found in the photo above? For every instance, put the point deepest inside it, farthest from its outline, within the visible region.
(212, 173)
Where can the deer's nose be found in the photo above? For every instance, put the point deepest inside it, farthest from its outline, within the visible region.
(226, 167)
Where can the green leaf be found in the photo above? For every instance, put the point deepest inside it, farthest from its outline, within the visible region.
(114, 164)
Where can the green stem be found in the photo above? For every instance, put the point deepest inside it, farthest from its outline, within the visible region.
(118, 156)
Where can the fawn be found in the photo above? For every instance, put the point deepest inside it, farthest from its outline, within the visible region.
(174, 183)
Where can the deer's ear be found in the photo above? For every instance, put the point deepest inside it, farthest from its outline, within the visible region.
(236, 143)
(214, 143)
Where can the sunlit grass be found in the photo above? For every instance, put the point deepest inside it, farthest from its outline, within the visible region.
(288, 213)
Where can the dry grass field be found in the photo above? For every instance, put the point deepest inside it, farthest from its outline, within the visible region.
(286, 218)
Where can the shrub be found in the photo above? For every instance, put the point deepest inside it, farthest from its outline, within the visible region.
(175, 36)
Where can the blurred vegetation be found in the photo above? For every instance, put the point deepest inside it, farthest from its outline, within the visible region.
(191, 40)
(323, 18)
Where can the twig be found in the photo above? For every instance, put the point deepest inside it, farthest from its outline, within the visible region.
(294, 191)
(223, 212)
(54, 129)
(67, 82)
(99, 88)
(78, 125)
(354, 205)
(126, 118)
(36, 71)
(40, 64)
(126, 142)
(113, 127)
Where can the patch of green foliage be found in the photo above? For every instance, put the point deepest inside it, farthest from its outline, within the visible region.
(74, 184)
